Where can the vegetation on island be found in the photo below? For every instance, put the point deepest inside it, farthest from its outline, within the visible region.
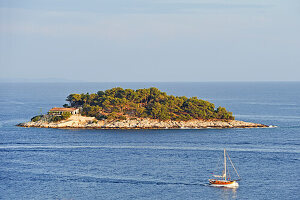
(52, 118)
(63, 116)
(119, 103)
(36, 118)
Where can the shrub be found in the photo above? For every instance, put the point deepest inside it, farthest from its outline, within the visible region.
(36, 118)
(56, 119)
(101, 117)
(112, 116)
(66, 115)
(122, 117)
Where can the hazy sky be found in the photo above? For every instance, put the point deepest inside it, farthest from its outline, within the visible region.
(150, 40)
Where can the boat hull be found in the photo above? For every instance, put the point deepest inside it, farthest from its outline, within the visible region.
(222, 183)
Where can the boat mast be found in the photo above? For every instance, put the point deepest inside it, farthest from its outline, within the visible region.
(225, 164)
(233, 166)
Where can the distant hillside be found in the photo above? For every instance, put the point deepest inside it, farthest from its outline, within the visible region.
(117, 103)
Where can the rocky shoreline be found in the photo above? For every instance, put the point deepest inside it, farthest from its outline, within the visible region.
(82, 122)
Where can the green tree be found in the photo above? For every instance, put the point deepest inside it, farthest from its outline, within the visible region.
(118, 103)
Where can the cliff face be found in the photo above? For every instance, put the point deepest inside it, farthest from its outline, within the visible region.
(78, 121)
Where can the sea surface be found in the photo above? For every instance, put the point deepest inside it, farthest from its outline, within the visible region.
(38, 163)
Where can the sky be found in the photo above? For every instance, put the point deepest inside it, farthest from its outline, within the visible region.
(149, 40)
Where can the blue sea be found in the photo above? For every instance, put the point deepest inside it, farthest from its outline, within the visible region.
(38, 163)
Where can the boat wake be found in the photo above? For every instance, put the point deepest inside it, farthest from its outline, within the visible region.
(130, 181)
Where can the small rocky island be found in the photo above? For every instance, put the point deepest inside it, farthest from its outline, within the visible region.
(150, 108)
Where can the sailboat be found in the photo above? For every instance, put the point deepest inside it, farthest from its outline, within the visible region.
(225, 180)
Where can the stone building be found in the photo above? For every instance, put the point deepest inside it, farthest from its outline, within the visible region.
(59, 111)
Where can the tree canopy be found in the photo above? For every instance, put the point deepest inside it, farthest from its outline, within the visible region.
(145, 103)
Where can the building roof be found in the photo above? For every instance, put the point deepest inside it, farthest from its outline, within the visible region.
(63, 109)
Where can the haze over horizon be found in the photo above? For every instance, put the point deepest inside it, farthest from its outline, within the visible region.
(152, 41)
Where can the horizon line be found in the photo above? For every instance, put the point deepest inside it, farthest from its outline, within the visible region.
(214, 81)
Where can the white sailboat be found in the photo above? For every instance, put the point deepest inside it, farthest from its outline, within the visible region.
(225, 180)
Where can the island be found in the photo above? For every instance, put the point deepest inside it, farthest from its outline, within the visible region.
(149, 108)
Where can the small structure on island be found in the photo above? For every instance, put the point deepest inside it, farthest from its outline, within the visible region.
(59, 111)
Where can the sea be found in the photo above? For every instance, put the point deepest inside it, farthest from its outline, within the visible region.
(40, 163)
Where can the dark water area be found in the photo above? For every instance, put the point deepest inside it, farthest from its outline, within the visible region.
(40, 163)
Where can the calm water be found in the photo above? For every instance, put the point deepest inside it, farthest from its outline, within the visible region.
(150, 164)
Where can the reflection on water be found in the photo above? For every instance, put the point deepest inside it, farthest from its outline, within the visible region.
(228, 193)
